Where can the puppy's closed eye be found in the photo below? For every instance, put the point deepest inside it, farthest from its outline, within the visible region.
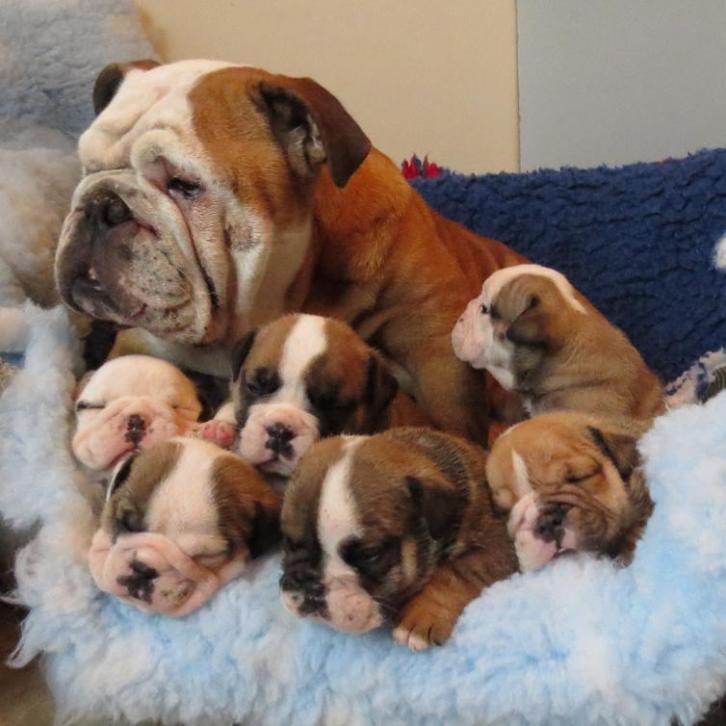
(87, 405)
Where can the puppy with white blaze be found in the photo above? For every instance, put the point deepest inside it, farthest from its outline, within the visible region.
(542, 339)
(180, 520)
(131, 403)
(392, 529)
(302, 378)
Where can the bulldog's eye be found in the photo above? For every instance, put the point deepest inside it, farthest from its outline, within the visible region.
(184, 188)
(264, 382)
(328, 400)
(483, 309)
(85, 406)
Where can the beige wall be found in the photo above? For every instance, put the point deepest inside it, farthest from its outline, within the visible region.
(425, 76)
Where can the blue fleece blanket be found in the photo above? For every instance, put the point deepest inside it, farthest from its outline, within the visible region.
(637, 241)
(581, 642)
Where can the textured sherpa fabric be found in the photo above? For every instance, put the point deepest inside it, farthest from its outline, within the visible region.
(637, 241)
(580, 642)
(50, 55)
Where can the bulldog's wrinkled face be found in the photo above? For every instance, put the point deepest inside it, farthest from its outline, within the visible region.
(301, 378)
(193, 217)
(514, 322)
(179, 520)
(355, 534)
(131, 403)
(571, 482)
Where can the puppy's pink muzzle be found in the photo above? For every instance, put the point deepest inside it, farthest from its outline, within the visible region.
(467, 337)
(179, 585)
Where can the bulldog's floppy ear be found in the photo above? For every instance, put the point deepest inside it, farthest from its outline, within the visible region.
(248, 509)
(440, 507)
(312, 127)
(240, 352)
(381, 387)
(529, 328)
(110, 78)
(620, 449)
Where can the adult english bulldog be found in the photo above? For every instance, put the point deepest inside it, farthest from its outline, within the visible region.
(217, 197)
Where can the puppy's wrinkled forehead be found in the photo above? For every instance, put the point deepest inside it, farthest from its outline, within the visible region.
(148, 101)
(136, 480)
(504, 279)
(140, 376)
(310, 349)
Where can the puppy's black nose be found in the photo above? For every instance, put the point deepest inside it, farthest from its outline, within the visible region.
(135, 429)
(135, 422)
(549, 526)
(279, 439)
(108, 210)
(140, 584)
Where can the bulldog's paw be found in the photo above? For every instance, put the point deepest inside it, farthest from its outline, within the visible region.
(221, 433)
(424, 623)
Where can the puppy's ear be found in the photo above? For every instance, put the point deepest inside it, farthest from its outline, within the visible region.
(380, 389)
(265, 532)
(621, 449)
(111, 77)
(240, 352)
(248, 509)
(530, 326)
(312, 127)
(441, 509)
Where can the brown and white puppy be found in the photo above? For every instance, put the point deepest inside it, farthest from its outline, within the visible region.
(305, 377)
(131, 403)
(540, 337)
(217, 197)
(571, 482)
(395, 528)
(180, 520)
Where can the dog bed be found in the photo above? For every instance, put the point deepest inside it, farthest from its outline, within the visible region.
(581, 642)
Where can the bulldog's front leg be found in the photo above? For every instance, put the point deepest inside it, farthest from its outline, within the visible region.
(450, 391)
(430, 616)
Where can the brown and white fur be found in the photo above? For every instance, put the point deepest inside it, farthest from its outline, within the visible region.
(396, 529)
(571, 481)
(541, 338)
(303, 377)
(131, 403)
(181, 519)
(217, 197)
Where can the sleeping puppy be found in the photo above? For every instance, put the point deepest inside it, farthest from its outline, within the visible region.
(131, 403)
(395, 528)
(305, 377)
(571, 482)
(180, 520)
(540, 337)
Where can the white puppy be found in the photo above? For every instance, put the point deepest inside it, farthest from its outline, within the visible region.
(131, 403)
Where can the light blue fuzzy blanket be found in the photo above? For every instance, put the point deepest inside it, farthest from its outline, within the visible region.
(580, 642)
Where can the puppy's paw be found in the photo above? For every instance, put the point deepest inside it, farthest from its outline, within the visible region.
(221, 433)
(424, 623)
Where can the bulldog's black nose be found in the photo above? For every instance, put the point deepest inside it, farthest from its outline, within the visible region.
(279, 439)
(135, 429)
(140, 584)
(108, 210)
(549, 526)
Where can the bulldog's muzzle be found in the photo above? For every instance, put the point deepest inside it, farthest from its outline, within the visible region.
(126, 255)
(149, 571)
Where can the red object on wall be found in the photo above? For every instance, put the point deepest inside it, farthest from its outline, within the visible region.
(413, 168)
